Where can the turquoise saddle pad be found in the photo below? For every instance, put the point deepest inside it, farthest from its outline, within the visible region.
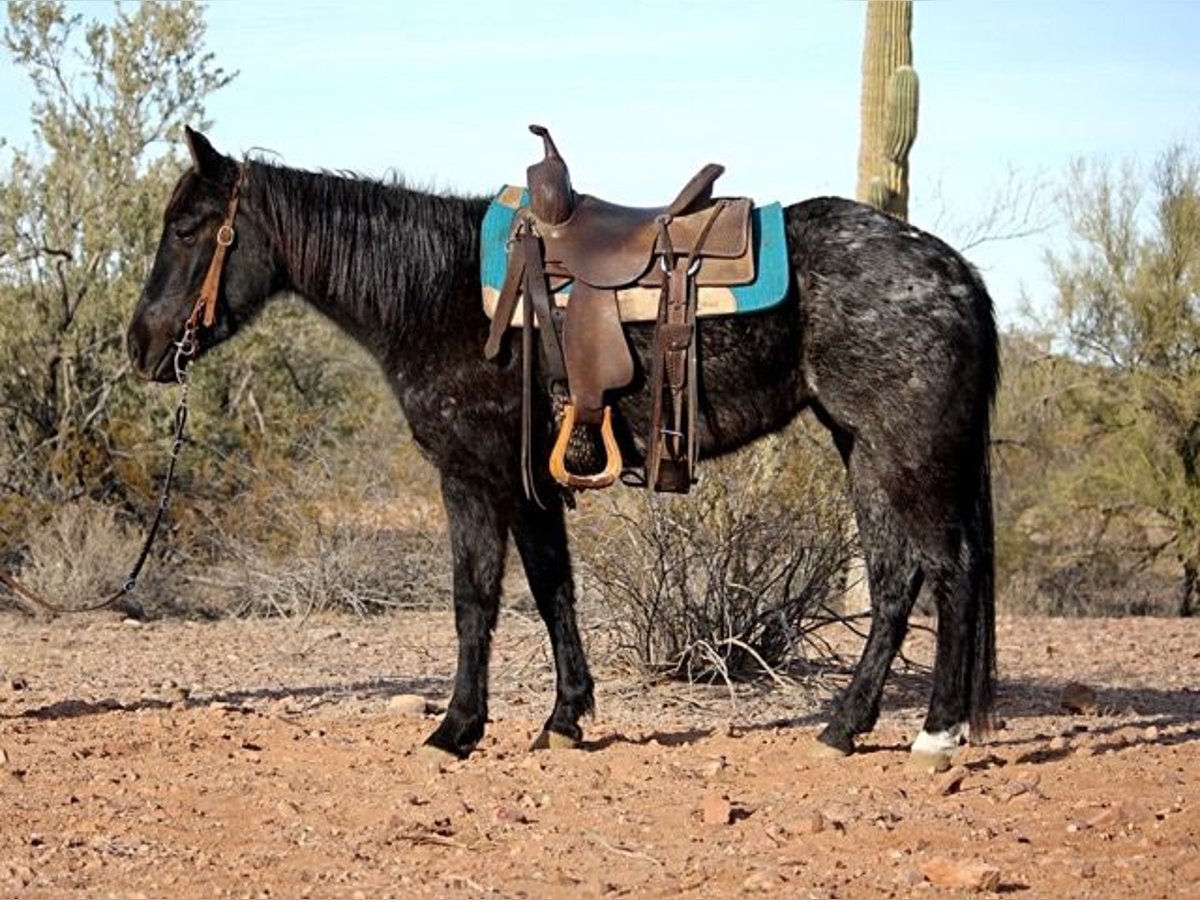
(768, 289)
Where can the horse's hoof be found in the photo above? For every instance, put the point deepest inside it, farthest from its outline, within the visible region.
(925, 762)
(818, 749)
(552, 740)
(433, 760)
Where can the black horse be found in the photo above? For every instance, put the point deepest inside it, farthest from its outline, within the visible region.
(887, 335)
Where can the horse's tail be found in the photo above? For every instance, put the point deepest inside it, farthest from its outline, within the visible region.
(983, 668)
(982, 541)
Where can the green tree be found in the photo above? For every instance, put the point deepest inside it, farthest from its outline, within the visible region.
(80, 212)
(1128, 309)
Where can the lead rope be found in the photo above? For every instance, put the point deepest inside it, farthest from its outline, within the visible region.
(204, 309)
(185, 349)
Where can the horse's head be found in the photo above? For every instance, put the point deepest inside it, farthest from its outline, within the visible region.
(198, 208)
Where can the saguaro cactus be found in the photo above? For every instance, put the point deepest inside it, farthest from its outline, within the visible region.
(889, 107)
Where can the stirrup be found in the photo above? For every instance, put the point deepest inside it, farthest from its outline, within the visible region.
(558, 466)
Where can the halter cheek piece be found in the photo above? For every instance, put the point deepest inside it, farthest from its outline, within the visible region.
(206, 302)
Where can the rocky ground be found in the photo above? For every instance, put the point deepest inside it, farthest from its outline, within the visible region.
(279, 759)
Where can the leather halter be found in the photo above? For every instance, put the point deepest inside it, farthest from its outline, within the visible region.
(206, 302)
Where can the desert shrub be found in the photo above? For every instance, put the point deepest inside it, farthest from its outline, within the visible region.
(729, 581)
(326, 533)
(1102, 579)
(81, 554)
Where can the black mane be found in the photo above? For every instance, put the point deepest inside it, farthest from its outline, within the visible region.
(375, 251)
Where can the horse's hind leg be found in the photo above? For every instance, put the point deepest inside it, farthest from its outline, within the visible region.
(946, 723)
(478, 535)
(964, 662)
(541, 539)
(894, 576)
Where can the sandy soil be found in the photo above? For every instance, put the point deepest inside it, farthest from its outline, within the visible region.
(271, 759)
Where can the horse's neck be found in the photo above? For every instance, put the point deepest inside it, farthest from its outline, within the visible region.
(383, 262)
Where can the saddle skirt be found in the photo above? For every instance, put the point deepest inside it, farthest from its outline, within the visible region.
(765, 285)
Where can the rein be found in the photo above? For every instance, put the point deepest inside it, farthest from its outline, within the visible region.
(204, 313)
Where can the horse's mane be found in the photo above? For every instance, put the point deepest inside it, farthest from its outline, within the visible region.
(376, 250)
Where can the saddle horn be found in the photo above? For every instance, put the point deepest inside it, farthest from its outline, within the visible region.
(550, 196)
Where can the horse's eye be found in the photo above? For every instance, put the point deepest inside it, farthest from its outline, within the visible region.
(185, 232)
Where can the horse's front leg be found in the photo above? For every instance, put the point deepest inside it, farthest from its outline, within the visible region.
(541, 538)
(479, 523)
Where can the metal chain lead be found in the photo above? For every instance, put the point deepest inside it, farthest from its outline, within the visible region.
(185, 350)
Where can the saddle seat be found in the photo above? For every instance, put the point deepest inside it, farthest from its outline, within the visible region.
(608, 245)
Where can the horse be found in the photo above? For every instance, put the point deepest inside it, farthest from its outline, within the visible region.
(886, 334)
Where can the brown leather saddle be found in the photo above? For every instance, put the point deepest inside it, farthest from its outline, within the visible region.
(595, 248)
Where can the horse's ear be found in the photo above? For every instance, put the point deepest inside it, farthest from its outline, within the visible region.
(205, 158)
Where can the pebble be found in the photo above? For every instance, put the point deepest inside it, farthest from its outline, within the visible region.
(1078, 698)
(910, 877)
(949, 873)
(407, 705)
(762, 880)
(949, 783)
(813, 823)
(715, 809)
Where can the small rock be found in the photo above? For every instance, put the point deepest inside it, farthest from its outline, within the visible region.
(3, 756)
(762, 880)
(407, 705)
(1027, 783)
(715, 809)
(949, 783)
(1078, 698)
(1087, 870)
(131, 623)
(1151, 733)
(1112, 817)
(1059, 743)
(949, 873)
(513, 815)
(712, 768)
(813, 823)
(910, 877)
(18, 683)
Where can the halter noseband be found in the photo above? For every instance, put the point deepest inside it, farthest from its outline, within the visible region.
(206, 302)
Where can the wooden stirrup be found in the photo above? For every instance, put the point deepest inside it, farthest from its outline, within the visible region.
(558, 466)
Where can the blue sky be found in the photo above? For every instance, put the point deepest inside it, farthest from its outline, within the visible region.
(639, 94)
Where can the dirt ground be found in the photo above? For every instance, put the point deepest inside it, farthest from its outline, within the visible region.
(277, 759)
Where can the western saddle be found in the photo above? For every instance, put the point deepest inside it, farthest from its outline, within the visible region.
(569, 254)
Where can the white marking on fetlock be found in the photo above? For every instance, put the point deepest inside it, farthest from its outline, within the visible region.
(941, 741)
